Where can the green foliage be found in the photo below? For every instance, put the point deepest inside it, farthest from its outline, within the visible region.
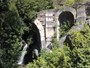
(74, 55)
(10, 38)
(55, 43)
(63, 3)
(3, 5)
(80, 1)
(12, 27)
(48, 60)
(29, 8)
(80, 48)
(72, 2)
(64, 28)
(0, 2)
(69, 2)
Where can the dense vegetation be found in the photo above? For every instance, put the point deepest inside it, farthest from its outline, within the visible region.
(13, 16)
(58, 3)
(74, 54)
(16, 17)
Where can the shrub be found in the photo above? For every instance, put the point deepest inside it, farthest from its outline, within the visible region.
(73, 55)
(11, 30)
(80, 47)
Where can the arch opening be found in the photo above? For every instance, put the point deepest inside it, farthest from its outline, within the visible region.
(66, 18)
(33, 40)
(88, 10)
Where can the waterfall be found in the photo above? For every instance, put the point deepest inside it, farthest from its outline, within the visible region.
(23, 53)
(35, 53)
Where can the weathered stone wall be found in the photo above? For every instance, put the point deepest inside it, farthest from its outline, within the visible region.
(81, 15)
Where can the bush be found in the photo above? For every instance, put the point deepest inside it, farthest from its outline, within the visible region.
(80, 47)
(69, 2)
(29, 8)
(73, 55)
(49, 60)
(11, 29)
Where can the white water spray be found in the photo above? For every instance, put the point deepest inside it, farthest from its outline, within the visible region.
(23, 53)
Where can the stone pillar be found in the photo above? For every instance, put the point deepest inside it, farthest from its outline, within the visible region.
(49, 28)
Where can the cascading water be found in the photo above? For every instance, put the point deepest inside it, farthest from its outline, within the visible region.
(33, 54)
(23, 53)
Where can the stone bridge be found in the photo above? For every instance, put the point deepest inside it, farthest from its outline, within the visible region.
(48, 22)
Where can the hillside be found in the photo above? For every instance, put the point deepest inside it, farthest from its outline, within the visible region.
(27, 41)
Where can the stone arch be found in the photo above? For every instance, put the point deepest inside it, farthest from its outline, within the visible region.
(66, 18)
(41, 31)
(57, 14)
(32, 47)
(66, 9)
(38, 25)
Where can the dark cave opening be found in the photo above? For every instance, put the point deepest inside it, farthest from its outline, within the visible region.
(88, 10)
(36, 43)
(66, 18)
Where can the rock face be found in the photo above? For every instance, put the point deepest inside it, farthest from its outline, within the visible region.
(48, 22)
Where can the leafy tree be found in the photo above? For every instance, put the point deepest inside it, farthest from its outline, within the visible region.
(29, 8)
(14, 16)
(70, 2)
(80, 47)
(61, 3)
(11, 30)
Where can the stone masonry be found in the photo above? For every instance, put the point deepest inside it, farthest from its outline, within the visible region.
(48, 22)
